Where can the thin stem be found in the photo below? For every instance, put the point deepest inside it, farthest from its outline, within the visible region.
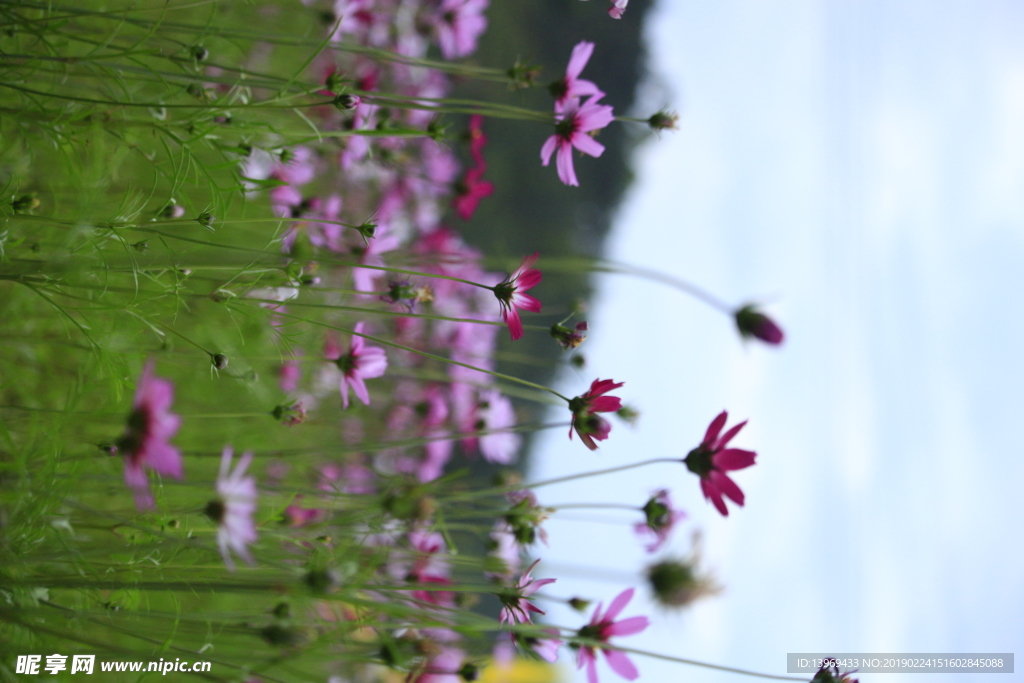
(597, 473)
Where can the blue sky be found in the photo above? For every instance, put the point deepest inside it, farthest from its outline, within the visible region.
(858, 167)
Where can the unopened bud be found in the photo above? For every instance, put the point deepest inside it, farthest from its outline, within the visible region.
(222, 295)
(172, 210)
(219, 361)
(205, 219)
(346, 101)
(663, 120)
(323, 581)
(569, 338)
(199, 53)
(25, 203)
(752, 323)
(469, 672)
(676, 583)
(629, 415)
(579, 604)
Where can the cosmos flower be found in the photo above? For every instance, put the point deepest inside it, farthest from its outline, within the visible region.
(585, 420)
(601, 628)
(233, 509)
(511, 296)
(659, 518)
(145, 442)
(459, 25)
(711, 460)
(573, 123)
(359, 363)
(516, 607)
(571, 85)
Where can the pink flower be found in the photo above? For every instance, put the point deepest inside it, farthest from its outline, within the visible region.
(660, 517)
(289, 375)
(360, 363)
(617, 9)
(516, 608)
(442, 667)
(546, 648)
(496, 416)
(144, 443)
(753, 323)
(601, 628)
(711, 460)
(459, 24)
(571, 85)
(234, 507)
(510, 293)
(585, 421)
(573, 122)
(471, 189)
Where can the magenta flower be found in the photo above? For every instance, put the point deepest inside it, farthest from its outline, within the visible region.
(516, 607)
(360, 363)
(571, 85)
(711, 460)
(573, 122)
(659, 518)
(510, 294)
(617, 9)
(584, 409)
(233, 509)
(602, 628)
(471, 189)
(144, 443)
(753, 323)
(459, 24)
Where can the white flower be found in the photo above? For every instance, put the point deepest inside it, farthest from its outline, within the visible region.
(234, 508)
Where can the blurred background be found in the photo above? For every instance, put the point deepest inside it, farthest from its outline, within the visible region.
(858, 169)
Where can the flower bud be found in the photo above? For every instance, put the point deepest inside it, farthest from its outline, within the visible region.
(346, 101)
(205, 219)
(579, 604)
(323, 581)
(172, 210)
(569, 338)
(629, 415)
(222, 295)
(522, 75)
(752, 323)
(676, 583)
(199, 53)
(282, 636)
(219, 361)
(663, 120)
(25, 203)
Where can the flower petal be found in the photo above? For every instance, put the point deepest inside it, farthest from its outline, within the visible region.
(724, 440)
(579, 58)
(566, 171)
(711, 493)
(733, 459)
(628, 627)
(587, 144)
(550, 145)
(727, 486)
(619, 604)
(621, 664)
(714, 429)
